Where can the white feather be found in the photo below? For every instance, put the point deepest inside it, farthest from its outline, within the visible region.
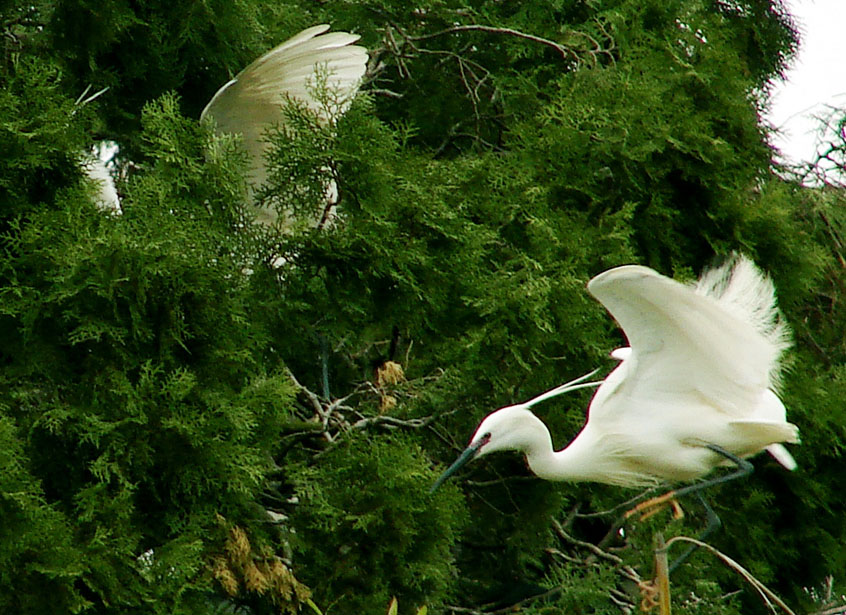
(254, 100)
(781, 455)
(96, 167)
(720, 338)
(700, 369)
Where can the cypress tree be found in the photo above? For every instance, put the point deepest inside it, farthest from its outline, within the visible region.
(185, 428)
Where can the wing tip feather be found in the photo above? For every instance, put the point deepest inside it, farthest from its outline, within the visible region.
(782, 456)
(623, 273)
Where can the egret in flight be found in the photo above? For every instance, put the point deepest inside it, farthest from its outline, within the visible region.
(253, 102)
(695, 388)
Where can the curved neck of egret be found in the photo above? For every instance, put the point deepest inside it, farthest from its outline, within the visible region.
(574, 463)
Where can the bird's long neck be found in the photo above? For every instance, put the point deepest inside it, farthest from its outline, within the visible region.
(573, 463)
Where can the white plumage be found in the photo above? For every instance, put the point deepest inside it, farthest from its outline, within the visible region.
(702, 367)
(96, 166)
(253, 101)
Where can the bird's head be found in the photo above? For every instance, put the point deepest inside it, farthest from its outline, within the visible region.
(509, 428)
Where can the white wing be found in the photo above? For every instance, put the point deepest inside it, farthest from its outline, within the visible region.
(253, 101)
(713, 341)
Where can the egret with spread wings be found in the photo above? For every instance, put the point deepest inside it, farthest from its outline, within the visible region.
(695, 389)
(253, 102)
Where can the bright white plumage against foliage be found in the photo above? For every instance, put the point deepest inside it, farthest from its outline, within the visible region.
(253, 102)
(96, 166)
(701, 370)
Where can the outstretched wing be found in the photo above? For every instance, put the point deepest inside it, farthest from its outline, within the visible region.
(253, 101)
(685, 341)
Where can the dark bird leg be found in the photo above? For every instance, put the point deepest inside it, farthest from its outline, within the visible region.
(712, 525)
(744, 468)
(647, 508)
(324, 364)
(656, 592)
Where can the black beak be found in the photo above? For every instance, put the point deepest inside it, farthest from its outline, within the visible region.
(469, 453)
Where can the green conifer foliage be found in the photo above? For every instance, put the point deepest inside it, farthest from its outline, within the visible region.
(379, 532)
(186, 428)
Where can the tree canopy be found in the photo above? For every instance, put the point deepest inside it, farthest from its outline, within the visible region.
(187, 428)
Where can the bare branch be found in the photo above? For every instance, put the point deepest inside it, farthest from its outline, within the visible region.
(393, 422)
(769, 597)
(312, 397)
(384, 92)
(624, 505)
(585, 545)
(563, 51)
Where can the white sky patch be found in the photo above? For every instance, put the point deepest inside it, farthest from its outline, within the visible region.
(816, 80)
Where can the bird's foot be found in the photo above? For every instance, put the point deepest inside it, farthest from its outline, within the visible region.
(655, 505)
(650, 595)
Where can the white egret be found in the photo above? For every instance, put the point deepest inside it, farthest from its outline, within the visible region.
(253, 102)
(694, 390)
(98, 166)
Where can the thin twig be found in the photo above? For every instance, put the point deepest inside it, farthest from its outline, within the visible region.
(563, 51)
(384, 92)
(312, 397)
(767, 594)
(585, 545)
(393, 422)
(662, 575)
(629, 573)
(628, 503)
(834, 237)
